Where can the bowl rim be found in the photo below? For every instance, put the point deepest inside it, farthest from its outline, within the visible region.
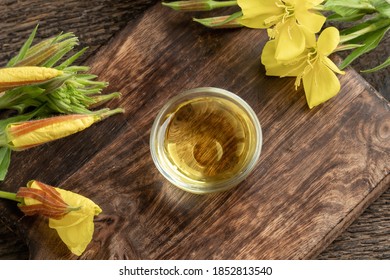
(202, 188)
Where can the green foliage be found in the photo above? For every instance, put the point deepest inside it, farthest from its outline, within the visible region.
(5, 160)
(369, 33)
(385, 64)
(370, 41)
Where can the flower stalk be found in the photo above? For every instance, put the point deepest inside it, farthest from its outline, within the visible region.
(230, 21)
(372, 27)
(198, 5)
(9, 196)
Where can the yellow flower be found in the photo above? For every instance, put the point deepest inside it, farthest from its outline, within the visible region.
(18, 76)
(313, 66)
(70, 214)
(27, 134)
(294, 23)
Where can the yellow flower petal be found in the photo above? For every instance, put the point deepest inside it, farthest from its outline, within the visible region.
(311, 20)
(277, 68)
(77, 227)
(310, 37)
(76, 237)
(314, 3)
(328, 41)
(331, 65)
(88, 208)
(256, 12)
(320, 84)
(291, 41)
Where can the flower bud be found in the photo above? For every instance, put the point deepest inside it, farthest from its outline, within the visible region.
(39, 198)
(219, 22)
(198, 5)
(23, 135)
(28, 75)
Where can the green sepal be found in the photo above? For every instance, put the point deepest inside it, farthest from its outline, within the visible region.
(5, 160)
(71, 59)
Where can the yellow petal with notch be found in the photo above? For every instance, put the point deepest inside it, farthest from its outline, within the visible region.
(328, 41)
(76, 228)
(320, 84)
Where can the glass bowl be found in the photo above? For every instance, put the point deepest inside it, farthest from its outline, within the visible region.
(206, 140)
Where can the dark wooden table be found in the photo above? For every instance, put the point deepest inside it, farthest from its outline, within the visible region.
(95, 22)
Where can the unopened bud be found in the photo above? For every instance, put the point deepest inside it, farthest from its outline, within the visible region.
(219, 22)
(12, 77)
(27, 134)
(198, 5)
(42, 199)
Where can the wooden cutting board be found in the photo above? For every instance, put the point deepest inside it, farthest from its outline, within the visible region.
(317, 172)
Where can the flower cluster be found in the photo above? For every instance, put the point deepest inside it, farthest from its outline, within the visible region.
(38, 83)
(299, 46)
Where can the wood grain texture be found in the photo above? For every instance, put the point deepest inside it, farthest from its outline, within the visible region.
(317, 171)
(94, 21)
(143, 200)
(367, 237)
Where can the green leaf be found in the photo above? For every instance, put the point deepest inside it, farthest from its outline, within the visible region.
(71, 59)
(350, 7)
(339, 18)
(382, 6)
(360, 35)
(360, 26)
(379, 67)
(371, 42)
(24, 49)
(5, 160)
(55, 58)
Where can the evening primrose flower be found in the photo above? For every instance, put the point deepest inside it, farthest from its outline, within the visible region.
(294, 23)
(23, 135)
(313, 67)
(70, 214)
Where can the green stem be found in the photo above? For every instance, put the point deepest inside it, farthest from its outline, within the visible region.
(198, 5)
(222, 4)
(373, 27)
(100, 99)
(347, 47)
(107, 113)
(10, 196)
